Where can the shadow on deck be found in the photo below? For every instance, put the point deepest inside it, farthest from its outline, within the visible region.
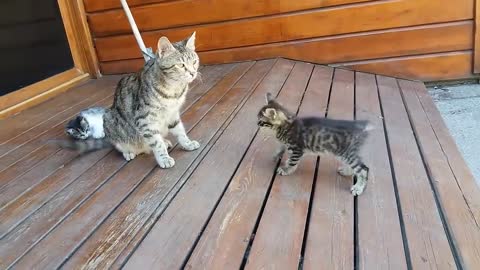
(222, 207)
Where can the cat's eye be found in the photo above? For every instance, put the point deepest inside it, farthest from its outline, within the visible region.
(181, 65)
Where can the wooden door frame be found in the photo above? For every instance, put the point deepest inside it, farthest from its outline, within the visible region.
(84, 58)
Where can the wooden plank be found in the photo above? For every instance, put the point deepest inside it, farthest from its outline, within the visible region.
(277, 243)
(226, 237)
(39, 92)
(459, 167)
(205, 186)
(172, 14)
(429, 67)
(329, 243)
(79, 36)
(343, 48)
(293, 26)
(476, 33)
(427, 243)
(380, 242)
(41, 172)
(89, 216)
(460, 219)
(22, 122)
(32, 168)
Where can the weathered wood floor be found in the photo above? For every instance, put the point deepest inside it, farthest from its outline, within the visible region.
(222, 206)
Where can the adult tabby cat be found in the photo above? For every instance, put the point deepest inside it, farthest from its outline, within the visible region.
(317, 135)
(147, 105)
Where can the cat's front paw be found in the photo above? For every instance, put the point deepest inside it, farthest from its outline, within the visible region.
(357, 189)
(285, 170)
(191, 145)
(128, 156)
(165, 162)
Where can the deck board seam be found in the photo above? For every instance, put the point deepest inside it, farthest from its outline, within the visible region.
(448, 233)
(392, 171)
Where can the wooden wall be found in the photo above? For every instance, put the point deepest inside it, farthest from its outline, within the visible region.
(417, 39)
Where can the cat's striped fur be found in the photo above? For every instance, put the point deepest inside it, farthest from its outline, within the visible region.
(146, 105)
(316, 135)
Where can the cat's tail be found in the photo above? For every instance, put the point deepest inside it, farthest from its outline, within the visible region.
(82, 146)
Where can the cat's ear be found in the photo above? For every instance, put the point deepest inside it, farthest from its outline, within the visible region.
(165, 47)
(269, 97)
(271, 113)
(190, 44)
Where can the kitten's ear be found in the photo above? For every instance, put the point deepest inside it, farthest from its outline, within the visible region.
(83, 122)
(190, 44)
(165, 47)
(269, 97)
(271, 113)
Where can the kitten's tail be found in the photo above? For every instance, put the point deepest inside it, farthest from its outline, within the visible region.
(82, 146)
(369, 127)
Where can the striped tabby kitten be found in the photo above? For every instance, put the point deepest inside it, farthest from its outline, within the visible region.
(146, 105)
(317, 135)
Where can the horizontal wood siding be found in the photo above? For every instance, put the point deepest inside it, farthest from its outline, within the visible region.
(324, 32)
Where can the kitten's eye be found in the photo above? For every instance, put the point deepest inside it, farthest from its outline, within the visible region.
(181, 65)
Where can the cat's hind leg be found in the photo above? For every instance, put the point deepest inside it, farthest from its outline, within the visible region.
(126, 150)
(354, 166)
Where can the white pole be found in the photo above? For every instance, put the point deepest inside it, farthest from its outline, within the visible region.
(145, 52)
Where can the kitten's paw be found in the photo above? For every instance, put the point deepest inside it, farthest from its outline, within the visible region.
(345, 171)
(128, 156)
(285, 170)
(165, 162)
(357, 189)
(191, 145)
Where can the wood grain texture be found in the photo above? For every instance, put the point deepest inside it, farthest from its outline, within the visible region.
(427, 243)
(70, 198)
(429, 67)
(342, 48)
(282, 224)
(460, 219)
(170, 14)
(36, 93)
(205, 185)
(329, 243)
(18, 124)
(82, 221)
(379, 233)
(98, 251)
(293, 26)
(79, 36)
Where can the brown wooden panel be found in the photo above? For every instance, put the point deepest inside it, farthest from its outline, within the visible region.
(329, 242)
(292, 26)
(343, 48)
(430, 67)
(282, 224)
(379, 233)
(427, 241)
(173, 13)
(460, 219)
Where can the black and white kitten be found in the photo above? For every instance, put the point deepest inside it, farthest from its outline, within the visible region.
(318, 136)
(87, 124)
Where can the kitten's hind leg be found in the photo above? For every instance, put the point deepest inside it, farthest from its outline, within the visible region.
(279, 153)
(361, 172)
(178, 130)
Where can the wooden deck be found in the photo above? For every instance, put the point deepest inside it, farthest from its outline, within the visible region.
(222, 206)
